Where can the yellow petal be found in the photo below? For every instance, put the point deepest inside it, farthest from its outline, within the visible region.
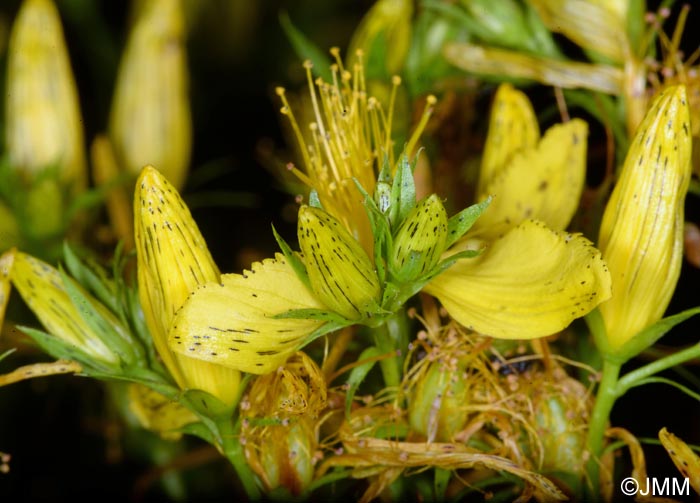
(687, 462)
(42, 288)
(641, 234)
(531, 283)
(569, 75)
(173, 260)
(542, 184)
(232, 323)
(512, 127)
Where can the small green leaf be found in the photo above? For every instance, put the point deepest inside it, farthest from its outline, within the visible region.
(305, 49)
(358, 374)
(403, 192)
(198, 429)
(459, 224)
(97, 284)
(58, 348)
(648, 337)
(206, 404)
(114, 337)
(293, 259)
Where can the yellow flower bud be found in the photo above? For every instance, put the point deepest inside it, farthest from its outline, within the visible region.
(641, 234)
(172, 261)
(150, 119)
(44, 128)
(341, 274)
(420, 240)
(43, 289)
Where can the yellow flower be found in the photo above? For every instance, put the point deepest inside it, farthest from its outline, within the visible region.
(150, 119)
(529, 177)
(173, 260)
(349, 138)
(43, 124)
(530, 283)
(641, 235)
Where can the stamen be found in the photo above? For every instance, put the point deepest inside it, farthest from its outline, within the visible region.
(430, 102)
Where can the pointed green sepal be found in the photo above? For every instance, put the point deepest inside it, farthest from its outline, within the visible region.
(403, 192)
(459, 224)
(293, 259)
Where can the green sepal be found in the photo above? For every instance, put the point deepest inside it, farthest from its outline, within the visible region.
(58, 348)
(306, 49)
(380, 231)
(459, 224)
(200, 430)
(449, 262)
(7, 353)
(312, 314)
(129, 351)
(205, 404)
(91, 279)
(648, 337)
(403, 192)
(358, 374)
(293, 259)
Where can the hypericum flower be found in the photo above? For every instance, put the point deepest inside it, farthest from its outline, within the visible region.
(529, 178)
(641, 234)
(385, 30)
(349, 138)
(530, 283)
(69, 318)
(340, 272)
(150, 119)
(173, 260)
(44, 127)
(687, 462)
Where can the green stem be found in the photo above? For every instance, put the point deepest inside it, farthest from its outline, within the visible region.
(233, 450)
(631, 379)
(392, 336)
(605, 399)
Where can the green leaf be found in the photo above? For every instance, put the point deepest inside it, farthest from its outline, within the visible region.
(7, 353)
(305, 49)
(648, 337)
(312, 314)
(116, 338)
(293, 259)
(459, 224)
(206, 404)
(97, 284)
(662, 380)
(198, 429)
(58, 348)
(358, 374)
(441, 480)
